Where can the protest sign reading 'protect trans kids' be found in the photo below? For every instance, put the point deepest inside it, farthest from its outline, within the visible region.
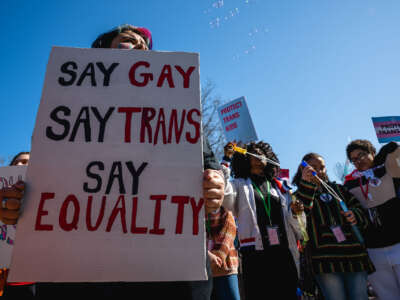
(114, 183)
(387, 129)
(236, 121)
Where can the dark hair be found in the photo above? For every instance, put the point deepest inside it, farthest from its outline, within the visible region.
(309, 156)
(241, 163)
(364, 145)
(104, 40)
(16, 156)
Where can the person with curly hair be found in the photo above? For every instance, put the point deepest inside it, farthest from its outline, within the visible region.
(376, 184)
(267, 224)
(337, 259)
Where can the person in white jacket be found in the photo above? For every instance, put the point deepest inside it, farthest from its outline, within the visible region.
(268, 226)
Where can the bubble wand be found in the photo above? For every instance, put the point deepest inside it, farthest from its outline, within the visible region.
(341, 202)
(260, 157)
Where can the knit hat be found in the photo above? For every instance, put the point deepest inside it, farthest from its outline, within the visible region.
(104, 40)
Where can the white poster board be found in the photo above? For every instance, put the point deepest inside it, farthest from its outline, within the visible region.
(8, 177)
(236, 121)
(115, 175)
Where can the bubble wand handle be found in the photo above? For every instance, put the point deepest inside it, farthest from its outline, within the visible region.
(260, 157)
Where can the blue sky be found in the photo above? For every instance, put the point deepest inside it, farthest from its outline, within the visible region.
(313, 72)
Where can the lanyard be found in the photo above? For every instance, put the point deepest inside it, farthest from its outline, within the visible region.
(364, 192)
(208, 227)
(266, 206)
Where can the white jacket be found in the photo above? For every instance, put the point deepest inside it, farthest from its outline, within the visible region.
(239, 198)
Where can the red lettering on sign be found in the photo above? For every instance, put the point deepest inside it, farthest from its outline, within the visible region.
(41, 212)
(160, 123)
(231, 117)
(196, 211)
(231, 107)
(69, 214)
(134, 228)
(147, 115)
(173, 123)
(157, 213)
(185, 75)
(118, 210)
(166, 73)
(181, 201)
(89, 214)
(128, 120)
(71, 199)
(231, 126)
(146, 76)
(196, 124)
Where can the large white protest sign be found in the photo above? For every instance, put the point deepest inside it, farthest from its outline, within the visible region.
(8, 177)
(236, 121)
(114, 180)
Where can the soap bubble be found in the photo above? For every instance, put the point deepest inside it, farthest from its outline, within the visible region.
(218, 4)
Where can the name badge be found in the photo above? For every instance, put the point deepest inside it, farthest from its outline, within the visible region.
(273, 235)
(339, 235)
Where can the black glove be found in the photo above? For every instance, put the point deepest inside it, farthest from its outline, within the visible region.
(380, 158)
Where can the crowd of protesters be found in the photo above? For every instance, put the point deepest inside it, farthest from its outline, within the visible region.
(265, 238)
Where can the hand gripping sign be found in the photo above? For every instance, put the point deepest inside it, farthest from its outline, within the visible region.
(8, 177)
(114, 182)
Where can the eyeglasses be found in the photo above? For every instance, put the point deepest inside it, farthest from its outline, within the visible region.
(359, 158)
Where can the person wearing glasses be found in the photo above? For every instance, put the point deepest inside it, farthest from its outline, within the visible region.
(375, 182)
(336, 257)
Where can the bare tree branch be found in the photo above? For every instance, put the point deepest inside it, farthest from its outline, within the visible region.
(211, 125)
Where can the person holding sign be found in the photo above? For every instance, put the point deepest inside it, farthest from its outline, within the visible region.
(376, 184)
(339, 260)
(10, 197)
(131, 37)
(221, 234)
(125, 37)
(267, 227)
(9, 212)
(21, 159)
